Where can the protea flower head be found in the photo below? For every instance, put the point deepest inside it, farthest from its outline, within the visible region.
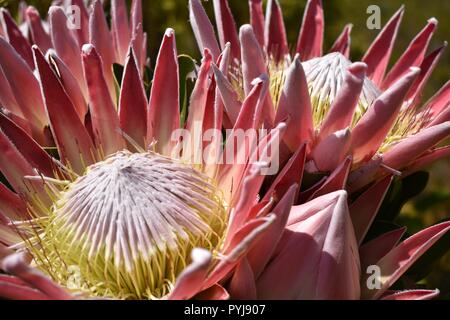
(108, 198)
(341, 108)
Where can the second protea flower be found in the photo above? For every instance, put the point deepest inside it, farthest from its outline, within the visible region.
(342, 109)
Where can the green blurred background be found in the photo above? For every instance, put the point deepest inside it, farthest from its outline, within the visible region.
(433, 204)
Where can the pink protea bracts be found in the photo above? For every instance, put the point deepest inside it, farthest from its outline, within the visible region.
(339, 108)
(120, 209)
(63, 43)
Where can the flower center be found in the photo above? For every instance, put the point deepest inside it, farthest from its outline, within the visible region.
(325, 77)
(126, 228)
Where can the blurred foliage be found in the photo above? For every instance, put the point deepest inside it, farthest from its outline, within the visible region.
(433, 204)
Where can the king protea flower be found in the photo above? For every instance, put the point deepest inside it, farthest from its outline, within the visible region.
(119, 209)
(117, 203)
(341, 109)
